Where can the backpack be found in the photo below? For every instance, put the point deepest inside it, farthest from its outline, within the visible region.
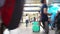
(2, 2)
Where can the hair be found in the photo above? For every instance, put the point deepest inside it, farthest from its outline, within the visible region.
(26, 14)
(39, 11)
(42, 1)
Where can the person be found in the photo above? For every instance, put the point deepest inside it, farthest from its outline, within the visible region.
(30, 20)
(52, 20)
(44, 16)
(57, 22)
(39, 18)
(34, 18)
(27, 20)
(11, 13)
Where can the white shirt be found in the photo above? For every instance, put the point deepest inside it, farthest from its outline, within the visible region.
(27, 18)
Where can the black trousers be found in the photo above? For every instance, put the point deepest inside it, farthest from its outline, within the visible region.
(45, 26)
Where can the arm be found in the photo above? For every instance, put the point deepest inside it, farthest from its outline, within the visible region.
(45, 10)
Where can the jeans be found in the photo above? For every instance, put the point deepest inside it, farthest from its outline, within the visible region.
(52, 23)
(27, 23)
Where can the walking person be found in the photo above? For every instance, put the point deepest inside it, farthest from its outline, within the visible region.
(11, 13)
(57, 22)
(39, 18)
(52, 20)
(44, 16)
(27, 20)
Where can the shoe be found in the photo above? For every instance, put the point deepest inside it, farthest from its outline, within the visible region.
(52, 28)
(14, 31)
(6, 31)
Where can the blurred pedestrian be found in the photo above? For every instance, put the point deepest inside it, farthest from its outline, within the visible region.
(57, 22)
(11, 13)
(27, 20)
(44, 16)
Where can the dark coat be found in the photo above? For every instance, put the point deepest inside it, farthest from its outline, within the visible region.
(12, 12)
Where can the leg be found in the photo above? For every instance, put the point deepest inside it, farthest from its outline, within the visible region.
(52, 24)
(58, 29)
(26, 24)
(2, 28)
(43, 22)
(46, 27)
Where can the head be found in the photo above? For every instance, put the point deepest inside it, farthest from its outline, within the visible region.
(58, 13)
(26, 14)
(58, 10)
(38, 11)
(43, 1)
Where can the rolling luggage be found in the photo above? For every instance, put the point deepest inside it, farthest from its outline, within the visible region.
(35, 26)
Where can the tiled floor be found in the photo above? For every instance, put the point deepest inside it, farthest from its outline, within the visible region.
(28, 30)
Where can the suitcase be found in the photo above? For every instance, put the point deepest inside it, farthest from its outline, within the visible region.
(35, 26)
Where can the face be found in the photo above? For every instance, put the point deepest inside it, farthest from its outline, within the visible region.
(44, 1)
